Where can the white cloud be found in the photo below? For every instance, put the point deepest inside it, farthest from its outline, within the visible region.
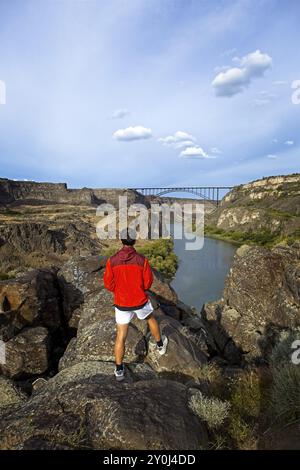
(120, 113)
(237, 79)
(133, 133)
(272, 157)
(194, 152)
(188, 143)
(179, 139)
(289, 142)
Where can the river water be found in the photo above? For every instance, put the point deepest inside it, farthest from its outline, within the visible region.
(201, 274)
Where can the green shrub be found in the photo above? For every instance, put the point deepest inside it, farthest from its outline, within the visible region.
(248, 394)
(285, 395)
(4, 277)
(211, 410)
(161, 256)
(263, 237)
(159, 253)
(241, 432)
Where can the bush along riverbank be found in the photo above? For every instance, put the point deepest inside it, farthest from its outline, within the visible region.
(262, 238)
(160, 254)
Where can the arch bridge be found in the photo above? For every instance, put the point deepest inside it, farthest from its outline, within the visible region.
(213, 194)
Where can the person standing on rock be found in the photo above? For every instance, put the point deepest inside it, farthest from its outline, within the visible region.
(128, 275)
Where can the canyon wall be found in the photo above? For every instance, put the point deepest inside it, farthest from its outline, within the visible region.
(17, 191)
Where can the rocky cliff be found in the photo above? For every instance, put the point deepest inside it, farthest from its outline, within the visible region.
(57, 389)
(261, 298)
(81, 406)
(267, 205)
(22, 191)
(43, 224)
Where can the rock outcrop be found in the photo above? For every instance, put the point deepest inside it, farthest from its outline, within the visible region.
(11, 397)
(32, 324)
(267, 205)
(88, 308)
(30, 300)
(78, 404)
(82, 407)
(261, 297)
(28, 353)
(30, 237)
(18, 191)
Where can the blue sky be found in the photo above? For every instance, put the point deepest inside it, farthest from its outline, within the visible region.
(125, 93)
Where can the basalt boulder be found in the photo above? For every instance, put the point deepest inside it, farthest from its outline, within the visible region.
(261, 297)
(186, 352)
(27, 354)
(84, 295)
(30, 300)
(92, 305)
(81, 281)
(10, 396)
(83, 407)
(96, 343)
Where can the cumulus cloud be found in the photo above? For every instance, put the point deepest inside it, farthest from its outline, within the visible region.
(289, 142)
(194, 152)
(188, 143)
(133, 133)
(120, 113)
(179, 139)
(236, 79)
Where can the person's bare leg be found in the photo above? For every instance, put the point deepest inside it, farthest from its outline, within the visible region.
(154, 328)
(122, 331)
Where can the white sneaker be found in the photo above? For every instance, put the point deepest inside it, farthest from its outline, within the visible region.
(163, 349)
(119, 374)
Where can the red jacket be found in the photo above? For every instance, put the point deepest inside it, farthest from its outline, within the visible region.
(128, 274)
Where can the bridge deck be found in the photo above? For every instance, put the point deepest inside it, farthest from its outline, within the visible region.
(210, 193)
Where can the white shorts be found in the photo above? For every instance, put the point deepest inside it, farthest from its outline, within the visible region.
(123, 317)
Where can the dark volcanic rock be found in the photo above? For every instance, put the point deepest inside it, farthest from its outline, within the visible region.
(80, 281)
(30, 300)
(85, 408)
(11, 191)
(27, 354)
(32, 324)
(10, 396)
(184, 357)
(261, 296)
(90, 307)
(30, 236)
(96, 343)
(38, 241)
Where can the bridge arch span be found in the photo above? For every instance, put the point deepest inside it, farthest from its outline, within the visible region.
(208, 193)
(190, 191)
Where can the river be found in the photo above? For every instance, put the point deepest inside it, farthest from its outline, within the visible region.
(201, 274)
